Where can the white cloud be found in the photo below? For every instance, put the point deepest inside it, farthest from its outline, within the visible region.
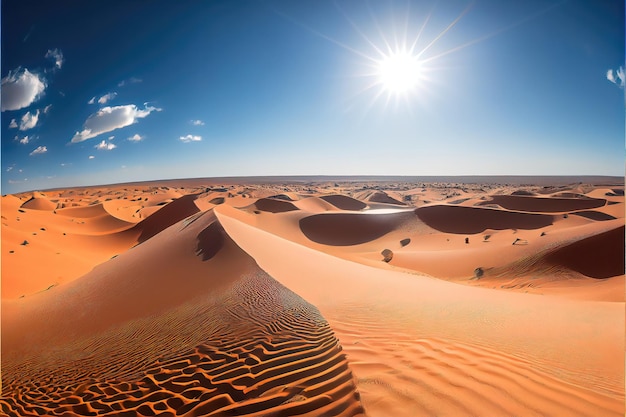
(107, 97)
(135, 138)
(39, 150)
(190, 138)
(24, 141)
(29, 120)
(92, 100)
(91, 157)
(9, 169)
(111, 137)
(47, 109)
(57, 56)
(131, 80)
(616, 77)
(197, 122)
(110, 118)
(105, 146)
(20, 89)
(13, 124)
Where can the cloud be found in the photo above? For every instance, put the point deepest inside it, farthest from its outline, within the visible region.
(197, 122)
(20, 89)
(92, 100)
(91, 157)
(190, 138)
(24, 140)
(131, 80)
(47, 109)
(29, 120)
(111, 137)
(108, 119)
(13, 124)
(105, 146)
(57, 56)
(107, 97)
(135, 138)
(616, 77)
(39, 150)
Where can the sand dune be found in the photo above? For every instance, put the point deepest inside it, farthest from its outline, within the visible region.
(342, 229)
(229, 298)
(545, 204)
(344, 202)
(463, 220)
(134, 335)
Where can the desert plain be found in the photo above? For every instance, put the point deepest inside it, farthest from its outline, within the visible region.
(315, 297)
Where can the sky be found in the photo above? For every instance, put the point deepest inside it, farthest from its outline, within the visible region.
(97, 92)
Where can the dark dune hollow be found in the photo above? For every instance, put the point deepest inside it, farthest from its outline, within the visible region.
(343, 229)
(274, 206)
(599, 256)
(595, 215)
(546, 204)
(344, 202)
(469, 220)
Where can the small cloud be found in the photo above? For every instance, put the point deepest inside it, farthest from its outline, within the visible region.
(197, 122)
(91, 157)
(20, 89)
(616, 77)
(131, 80)
(190, 138)
(39, 150)
(13, 124)
(108, 119)
(107, 97)
(57, 56)
(29, 120)
(46, 109)
(111, 137)
(105, 146)
(24, 141)
(92, 100)
(9, 169)
(135, 138)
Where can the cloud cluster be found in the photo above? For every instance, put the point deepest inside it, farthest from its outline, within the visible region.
(105, 146)
(108, 119)
(190, 138)
(57, 56)
(39, 150)
(29, 120)
(20, 88)
(104, 99)
(197, 122)
(616, 77)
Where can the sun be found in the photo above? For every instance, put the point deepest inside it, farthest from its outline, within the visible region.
(399, 72)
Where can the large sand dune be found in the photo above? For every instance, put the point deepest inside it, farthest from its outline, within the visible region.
(319, 299)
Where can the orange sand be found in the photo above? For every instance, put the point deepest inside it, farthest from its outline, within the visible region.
(245, 298)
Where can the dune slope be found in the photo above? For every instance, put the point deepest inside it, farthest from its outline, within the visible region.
(184, 324)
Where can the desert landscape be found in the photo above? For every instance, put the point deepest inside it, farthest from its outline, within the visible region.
(486, 296)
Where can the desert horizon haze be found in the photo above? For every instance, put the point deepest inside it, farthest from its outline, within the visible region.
(312, 208)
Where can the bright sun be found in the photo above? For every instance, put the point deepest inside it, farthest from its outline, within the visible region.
(399, 72)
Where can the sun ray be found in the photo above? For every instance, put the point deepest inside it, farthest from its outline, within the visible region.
(446, 30)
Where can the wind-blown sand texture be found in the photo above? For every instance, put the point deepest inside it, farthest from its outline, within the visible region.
(314, 297)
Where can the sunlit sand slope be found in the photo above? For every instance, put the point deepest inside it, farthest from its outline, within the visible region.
(184, 324)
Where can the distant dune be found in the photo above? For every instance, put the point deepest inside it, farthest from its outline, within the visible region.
(315, 296)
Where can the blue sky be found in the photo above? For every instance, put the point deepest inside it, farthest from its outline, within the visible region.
(111, 91)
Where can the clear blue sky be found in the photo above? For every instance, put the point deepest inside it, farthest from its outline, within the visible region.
(110, 91)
